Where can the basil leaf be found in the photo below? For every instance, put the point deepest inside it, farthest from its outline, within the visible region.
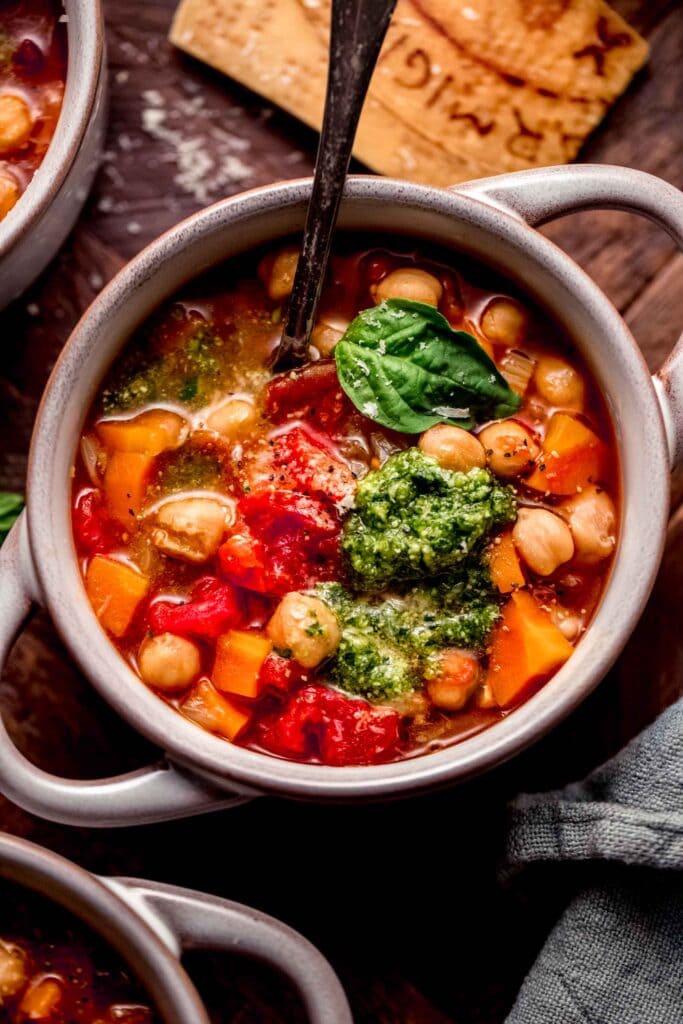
(403, 365)
(10, 507)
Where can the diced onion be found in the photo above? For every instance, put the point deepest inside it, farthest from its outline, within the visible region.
(93, 456)
(518, 369)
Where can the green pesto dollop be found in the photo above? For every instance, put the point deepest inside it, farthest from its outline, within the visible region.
(390, 644)
(414, 519)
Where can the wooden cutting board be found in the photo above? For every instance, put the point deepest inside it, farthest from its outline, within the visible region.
(463, 88)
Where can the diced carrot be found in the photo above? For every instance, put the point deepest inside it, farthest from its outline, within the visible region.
(115, 590)
(504, 565)
(239, 657)
(150, 433)
(526, 647)
(205, 706)
(126, 480)
(40, 1002)
(572, 457)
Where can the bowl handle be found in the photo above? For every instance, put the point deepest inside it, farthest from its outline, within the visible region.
(190, 920)
(158, 792)
(540, 195)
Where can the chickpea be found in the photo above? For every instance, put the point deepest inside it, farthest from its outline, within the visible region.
(559, 383)
(233, 418)
(408, 283)
(543, 540)
(13, 974)
(457, 680)
(16, 122)
(453, 448)
(281, 279)
(190, 528)
(9, 192)
(325, 336)
(504, 322)
(592, 519)
(168, 662)
(510, 448)
(305, 626)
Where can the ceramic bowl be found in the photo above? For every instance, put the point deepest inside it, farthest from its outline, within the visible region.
(493, 220)
(35, 228)
(149, 925)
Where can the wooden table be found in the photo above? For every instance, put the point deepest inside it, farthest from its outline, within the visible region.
(403, 898)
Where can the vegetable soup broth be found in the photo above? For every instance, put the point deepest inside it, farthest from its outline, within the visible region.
(229, 519)
(33, 52)
(52, 969)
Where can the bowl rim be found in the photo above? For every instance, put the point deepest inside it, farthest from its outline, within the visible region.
(226, 764)
(78, 892)
(85, 63)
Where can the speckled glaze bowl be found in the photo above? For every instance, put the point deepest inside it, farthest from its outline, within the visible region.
(493, 221)
(149, 926)
(35, 228)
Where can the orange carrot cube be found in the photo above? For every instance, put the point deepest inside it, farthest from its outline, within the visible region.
(126, 480)
(150, 433)
(239, 657)
(526, 648)
(572, 457)
(504, 565)
(115, 591)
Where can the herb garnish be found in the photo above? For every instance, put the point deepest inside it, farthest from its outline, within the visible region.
(402, 365)
(10, 507)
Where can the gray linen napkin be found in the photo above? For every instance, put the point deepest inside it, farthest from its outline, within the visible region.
(616, 954)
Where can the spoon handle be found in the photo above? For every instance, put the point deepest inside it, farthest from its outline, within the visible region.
(357, 33)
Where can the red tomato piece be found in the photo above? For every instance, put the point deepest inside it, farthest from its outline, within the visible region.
(282, 673)
(271, 512)
(301, 460)
(319, 722)
(243, 560)
(212, 608)
(95, 531)
(313, 393)
(285, 541)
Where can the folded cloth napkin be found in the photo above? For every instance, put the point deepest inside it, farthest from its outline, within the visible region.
(616, 954)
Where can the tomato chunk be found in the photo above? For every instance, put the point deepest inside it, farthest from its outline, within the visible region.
(272, 510)
(284, 541)
(95, 531)
(312, 393)
(303, 461)
(282, 673)
(212, 608)
(319, 722)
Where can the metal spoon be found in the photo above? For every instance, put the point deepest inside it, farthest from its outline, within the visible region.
(357, 32)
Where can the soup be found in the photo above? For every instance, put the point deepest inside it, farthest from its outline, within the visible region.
(32, 78)
(370, 556)
(53, 970)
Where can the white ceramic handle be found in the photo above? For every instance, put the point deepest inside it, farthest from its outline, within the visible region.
(540, 195)
(158, 792)
(198, 921)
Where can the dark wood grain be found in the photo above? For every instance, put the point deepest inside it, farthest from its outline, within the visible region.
(403, 897)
